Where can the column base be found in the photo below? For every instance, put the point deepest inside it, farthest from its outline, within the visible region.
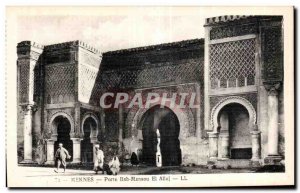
(273, 160)
(76, 162)
(213, 158)
(28, 161)
(255, 163)
(223, 158)
(49, 163)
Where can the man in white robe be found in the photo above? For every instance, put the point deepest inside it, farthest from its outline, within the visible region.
(98, 159)
(114, 165)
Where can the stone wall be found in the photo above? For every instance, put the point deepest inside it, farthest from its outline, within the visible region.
(245, 52)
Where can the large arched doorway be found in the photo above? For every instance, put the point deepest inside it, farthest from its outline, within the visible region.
(234, 122)
(89, 126)
(168, 124)
(63, 134)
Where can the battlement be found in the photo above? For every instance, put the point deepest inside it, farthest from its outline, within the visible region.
(225, 18)
(30, 44)
(239, 18)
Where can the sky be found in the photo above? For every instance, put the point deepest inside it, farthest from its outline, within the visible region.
(112, 31)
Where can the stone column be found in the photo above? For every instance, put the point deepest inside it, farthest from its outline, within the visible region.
(27, 132)
(224, 149)
(213, 145)
(28, 56)
(255, 145)
(50, 152)
(273, 156)
(76, 150)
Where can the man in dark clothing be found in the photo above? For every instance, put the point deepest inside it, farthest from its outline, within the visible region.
(60, 157)
(134, 159)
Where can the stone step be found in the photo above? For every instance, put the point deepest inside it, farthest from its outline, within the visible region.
(236, 163)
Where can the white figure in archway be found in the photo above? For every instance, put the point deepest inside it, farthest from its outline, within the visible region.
(158, 152)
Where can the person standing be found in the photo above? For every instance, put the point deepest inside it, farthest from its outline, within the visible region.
(98, 159)
(61, 155)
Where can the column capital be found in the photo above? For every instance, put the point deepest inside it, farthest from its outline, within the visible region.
(76, 140)
(272, 88)
(29, 107)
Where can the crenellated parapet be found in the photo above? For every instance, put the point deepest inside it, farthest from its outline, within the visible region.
(29, 50)
(225, 18)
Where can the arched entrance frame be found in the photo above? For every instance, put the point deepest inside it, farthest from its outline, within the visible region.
(94, 133)
(185, 118)
(184, 115)
(230, 100)
(50, 142)
(53, 125)
(213, 136)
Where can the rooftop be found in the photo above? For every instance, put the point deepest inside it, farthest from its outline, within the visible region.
(183, 43)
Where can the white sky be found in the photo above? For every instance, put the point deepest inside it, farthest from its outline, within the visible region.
(111, 32)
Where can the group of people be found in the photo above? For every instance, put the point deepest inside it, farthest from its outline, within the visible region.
(112, 168)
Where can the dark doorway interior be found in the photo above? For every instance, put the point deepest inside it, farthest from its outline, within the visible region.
(63, 135)
(86, 145)
(167, 123)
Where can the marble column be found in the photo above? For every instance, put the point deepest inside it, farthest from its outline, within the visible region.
(50, 152)
(27, 132)
(273, 133)
(213, 145)
(224, 148)
(255, 145)
(76, 150)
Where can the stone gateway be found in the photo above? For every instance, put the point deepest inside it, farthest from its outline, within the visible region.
(234, 75)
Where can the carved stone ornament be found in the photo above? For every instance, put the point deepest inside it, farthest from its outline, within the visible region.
(29, 107)
(273, 88)
(228, 100)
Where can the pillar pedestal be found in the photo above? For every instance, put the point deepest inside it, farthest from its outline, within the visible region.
(224, 149)
(255, 145)
(50, 152)
(213, 145)
(76, 150)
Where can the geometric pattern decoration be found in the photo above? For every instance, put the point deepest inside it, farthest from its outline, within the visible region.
(186, 71)
(272, 54)
(229, 100)
(24, 82)
(230, 31)
(89, 59)
(86, 81)
(60, 82)
(232, 61)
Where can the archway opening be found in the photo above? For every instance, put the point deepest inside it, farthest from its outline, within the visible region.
(234, 120)
(89, 126)
(165, 120)
(63, 134)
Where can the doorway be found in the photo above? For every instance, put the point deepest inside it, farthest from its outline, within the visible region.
(165, 120)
